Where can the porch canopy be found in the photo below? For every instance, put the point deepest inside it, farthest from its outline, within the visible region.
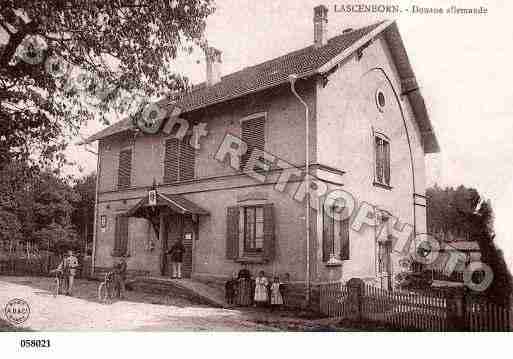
(175, 203)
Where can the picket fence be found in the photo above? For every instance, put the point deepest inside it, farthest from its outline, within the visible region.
(400, 310)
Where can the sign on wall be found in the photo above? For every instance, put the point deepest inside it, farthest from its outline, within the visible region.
(152, 198)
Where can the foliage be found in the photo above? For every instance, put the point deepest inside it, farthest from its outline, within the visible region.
(34, 200)
(463, 210)
(64, 62)
(58, 237)
(83, 213)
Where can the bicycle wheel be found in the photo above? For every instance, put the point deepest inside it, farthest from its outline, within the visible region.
(103, 294)
(55, 287)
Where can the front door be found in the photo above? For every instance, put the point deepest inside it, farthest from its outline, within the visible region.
(180, 227)
(385, 264)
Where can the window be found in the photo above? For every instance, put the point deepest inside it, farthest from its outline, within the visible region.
(124, 168)
(179, 160)
(253, 134)
(335, 237)
(253, 228)
(382, 153)
(250, 233)
(380, 100)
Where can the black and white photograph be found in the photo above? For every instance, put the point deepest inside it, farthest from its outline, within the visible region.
(330, 169)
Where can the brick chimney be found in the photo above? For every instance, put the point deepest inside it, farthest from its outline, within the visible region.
(213, 59)
(320, 25)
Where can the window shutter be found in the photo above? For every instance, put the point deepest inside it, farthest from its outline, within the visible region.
(125, 168)
(269, 239)
(232, 232)
(186, 162)
(386, 155)
(327, 235)
(253, 134)
(121, 236)
(171, 161)
(344, 239)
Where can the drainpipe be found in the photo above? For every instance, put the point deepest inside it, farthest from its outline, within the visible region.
(292, 80)
(96, 209)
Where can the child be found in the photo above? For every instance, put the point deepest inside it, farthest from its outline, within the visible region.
(230, 289)
(261, 289)
(276, 298)
(284, 288)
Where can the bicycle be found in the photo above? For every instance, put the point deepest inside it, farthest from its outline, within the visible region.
(107, 289)
(58, 282)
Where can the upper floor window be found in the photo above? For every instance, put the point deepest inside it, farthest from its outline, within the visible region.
(179, 160)
(253, 134)
(382, 155)
(125, 168)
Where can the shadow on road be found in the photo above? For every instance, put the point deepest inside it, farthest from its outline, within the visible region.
(88, 290)
(8, 327)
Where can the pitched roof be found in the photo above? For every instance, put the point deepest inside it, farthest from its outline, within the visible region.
(305, 62)
(255, 78)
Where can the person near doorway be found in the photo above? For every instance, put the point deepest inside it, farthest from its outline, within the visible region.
(70, 267)
(120, 276)
(176, 252)
(261, 284)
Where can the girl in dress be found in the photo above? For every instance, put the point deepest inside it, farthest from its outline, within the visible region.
(261, 283)
(276, 298)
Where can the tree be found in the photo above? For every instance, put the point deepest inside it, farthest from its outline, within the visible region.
(83, 213)
(63, 62)
(463, 211)
(35, 199)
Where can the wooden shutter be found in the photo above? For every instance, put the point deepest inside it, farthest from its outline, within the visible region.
(269, 238)
(327, 235)
(232, 232)
(121, 236)
(344, 239)
(386, 160)
(253, 134)
(171, 160)
(186, 160)
(125, 168)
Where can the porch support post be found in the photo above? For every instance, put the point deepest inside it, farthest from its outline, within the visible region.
(163, 243)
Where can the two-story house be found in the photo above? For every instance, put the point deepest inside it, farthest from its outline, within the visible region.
(368, 130)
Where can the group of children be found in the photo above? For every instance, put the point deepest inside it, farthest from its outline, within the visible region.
(243, 290)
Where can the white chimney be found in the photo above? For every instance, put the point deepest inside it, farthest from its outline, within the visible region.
(213, 59)
(320, 25)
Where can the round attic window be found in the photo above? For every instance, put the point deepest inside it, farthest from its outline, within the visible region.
(380, 100)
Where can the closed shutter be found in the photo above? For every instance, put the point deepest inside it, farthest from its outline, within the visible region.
(344, 239)
(253, 134)
(232, 232)
(125, 168)
(121, 236)
(171, 160)
(386, 155)
(327, 235)
(186, 161)
(269, 238)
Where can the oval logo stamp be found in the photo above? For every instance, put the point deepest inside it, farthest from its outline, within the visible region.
(17, 311)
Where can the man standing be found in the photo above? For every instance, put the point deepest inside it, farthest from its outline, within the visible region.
(120, 271)
(70, 266)
(176, 252)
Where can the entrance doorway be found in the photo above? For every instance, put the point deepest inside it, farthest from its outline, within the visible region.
(179, 227)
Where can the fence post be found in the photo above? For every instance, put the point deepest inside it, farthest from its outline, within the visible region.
(355, 287)
(456, 309)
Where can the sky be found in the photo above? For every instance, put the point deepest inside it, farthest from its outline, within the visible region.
(462, 63)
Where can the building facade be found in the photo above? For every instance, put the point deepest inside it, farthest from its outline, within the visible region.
(368, 135)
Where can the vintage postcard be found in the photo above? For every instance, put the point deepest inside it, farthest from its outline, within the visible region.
(248, 166)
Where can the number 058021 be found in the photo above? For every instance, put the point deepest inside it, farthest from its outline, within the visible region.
(35, 343)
